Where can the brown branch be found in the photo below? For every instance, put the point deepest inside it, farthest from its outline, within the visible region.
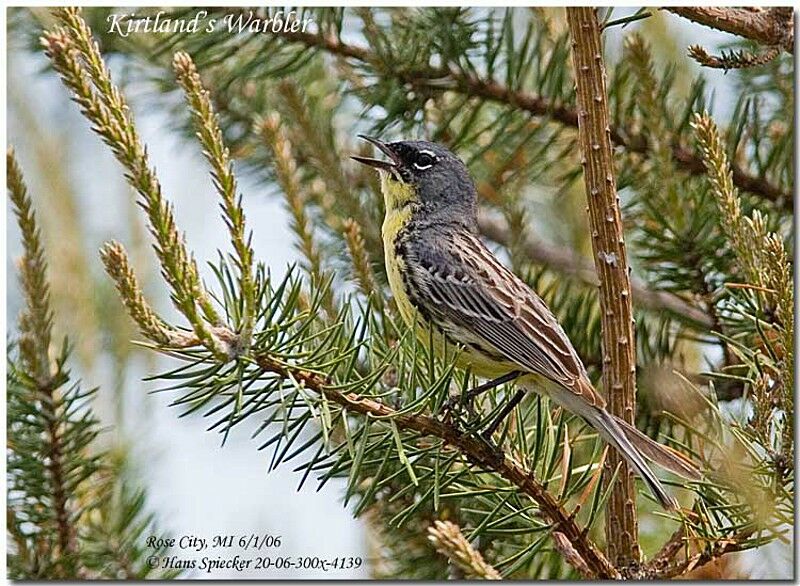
(661, 560)
(65, 528)
(478, 452)
(773, 27)
(698, 560)
(568, 552)
(566, 261)
(611, 262)
(436, 79)
(733, 59)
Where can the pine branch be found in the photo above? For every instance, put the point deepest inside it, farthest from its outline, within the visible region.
(661, 567)
(768, 26)
(611, 263)
(732, 59)
(450, 542)
(36, 323)
(152, 327)
(568, 552)
(698, 560)
(568, 262)
(764, 261)
(668, 551)
(270, 128)
(476, 451)
(274, 135)
(322, 152)
(762, 253)
(58, 499)
(362, 269)
(441, 79)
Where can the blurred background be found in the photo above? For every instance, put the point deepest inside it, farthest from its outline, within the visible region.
(196, 485)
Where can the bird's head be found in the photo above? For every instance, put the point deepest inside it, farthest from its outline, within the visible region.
(427, 173)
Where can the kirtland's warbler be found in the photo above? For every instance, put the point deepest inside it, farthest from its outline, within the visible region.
(445, 280)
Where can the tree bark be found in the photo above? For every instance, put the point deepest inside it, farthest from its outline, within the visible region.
(611, 263)
(773, 27)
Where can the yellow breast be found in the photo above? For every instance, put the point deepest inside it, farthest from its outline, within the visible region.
(395, 195)
(398, 214)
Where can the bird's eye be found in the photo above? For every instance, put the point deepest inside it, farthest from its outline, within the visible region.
(424, 160)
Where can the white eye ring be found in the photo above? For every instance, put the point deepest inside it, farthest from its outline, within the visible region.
(423, 167)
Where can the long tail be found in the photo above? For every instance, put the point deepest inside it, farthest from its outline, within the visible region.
(612, 432)
(657, 453)
(587, 405)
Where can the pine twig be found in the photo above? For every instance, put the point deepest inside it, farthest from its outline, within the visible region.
(661, 560)
(218, 156)
(732, 59)
(472, 447)
(661, 567)
(362, 269)
(333, 189)
(698, 560)
(762, 254)
(568, 552)
(611, 263)
(288, 178)
(152, 327)
(36, 325)
(326, 163)
(269, 128)
(448, 540)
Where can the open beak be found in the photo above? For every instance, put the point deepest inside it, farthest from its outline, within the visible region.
(378, 163)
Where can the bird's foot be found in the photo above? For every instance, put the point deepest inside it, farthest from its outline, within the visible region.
(457, 411)
(496, 450)
(452, 404)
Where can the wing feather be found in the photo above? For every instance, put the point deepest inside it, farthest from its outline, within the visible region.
(460, 283)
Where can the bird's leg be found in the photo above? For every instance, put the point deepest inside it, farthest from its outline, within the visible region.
(470, 395)
(509, 407)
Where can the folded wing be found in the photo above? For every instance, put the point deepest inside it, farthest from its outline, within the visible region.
(466, 290)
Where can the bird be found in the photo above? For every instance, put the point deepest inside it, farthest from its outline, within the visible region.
(451, 289)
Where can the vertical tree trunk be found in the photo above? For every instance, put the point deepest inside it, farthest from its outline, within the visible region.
(610, 258)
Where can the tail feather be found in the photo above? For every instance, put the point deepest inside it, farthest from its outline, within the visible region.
(613, 434)
(657, 453)
(623, 437)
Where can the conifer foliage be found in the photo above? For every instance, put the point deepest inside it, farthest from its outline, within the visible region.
(71, 511)
(321, 359)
